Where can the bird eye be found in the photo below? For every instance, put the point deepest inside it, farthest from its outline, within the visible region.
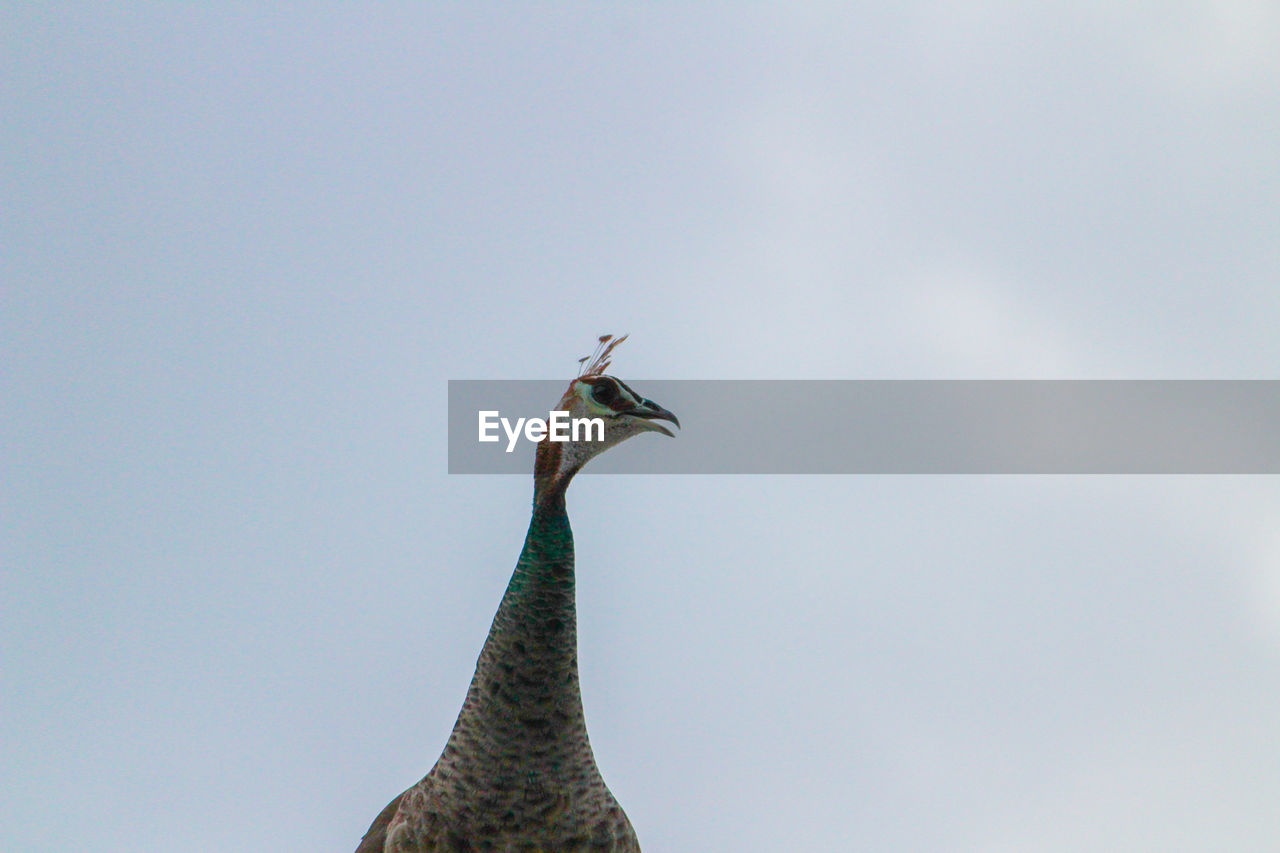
(604, 392)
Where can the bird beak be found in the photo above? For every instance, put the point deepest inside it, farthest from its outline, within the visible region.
(648, 412)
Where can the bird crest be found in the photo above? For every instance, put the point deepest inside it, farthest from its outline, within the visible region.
(598, 362)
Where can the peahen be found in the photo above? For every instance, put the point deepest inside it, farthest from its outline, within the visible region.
(517, 772)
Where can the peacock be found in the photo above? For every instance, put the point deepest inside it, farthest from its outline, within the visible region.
(518, 772)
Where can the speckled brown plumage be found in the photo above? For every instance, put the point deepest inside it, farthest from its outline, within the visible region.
(518, 773)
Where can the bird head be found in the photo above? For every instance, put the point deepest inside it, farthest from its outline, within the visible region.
(610, 402)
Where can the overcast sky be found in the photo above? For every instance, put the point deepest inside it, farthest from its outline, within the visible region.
(243, 250)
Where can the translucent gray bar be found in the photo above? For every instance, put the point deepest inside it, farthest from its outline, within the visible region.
(908, 427)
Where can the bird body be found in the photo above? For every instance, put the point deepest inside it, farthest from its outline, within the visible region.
(518, 773)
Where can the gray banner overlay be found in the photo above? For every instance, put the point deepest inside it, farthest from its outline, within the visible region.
(906, 427)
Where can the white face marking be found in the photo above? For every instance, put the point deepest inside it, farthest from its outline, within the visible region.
(606, 396)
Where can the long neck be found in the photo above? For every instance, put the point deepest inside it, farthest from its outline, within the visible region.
(523, 713)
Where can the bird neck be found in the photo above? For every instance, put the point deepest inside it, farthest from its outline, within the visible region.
(555, 464)
(523, 714)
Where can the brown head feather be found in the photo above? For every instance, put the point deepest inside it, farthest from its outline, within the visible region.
(598, 362)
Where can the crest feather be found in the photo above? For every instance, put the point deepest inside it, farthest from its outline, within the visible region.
(598, 362)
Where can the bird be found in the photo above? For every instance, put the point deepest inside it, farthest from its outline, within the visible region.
(518, 772)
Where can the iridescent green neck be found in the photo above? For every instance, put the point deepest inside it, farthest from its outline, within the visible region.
(522, 720)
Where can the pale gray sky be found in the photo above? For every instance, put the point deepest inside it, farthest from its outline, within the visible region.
(242, 250)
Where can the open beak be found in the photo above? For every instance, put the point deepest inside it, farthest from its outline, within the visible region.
(649, 413)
